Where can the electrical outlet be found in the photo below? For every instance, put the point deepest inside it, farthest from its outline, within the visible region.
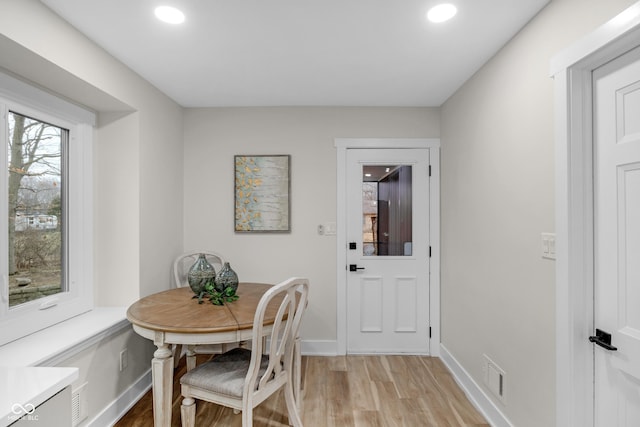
(123, 360)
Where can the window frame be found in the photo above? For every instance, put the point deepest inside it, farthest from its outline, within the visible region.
(24, 319)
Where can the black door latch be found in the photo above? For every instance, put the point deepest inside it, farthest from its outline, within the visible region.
(603, 339)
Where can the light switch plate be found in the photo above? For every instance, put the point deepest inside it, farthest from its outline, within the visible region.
(549, 245)
(329, 228)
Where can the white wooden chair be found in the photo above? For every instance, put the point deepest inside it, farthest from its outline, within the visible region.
(242, 379)
(180, 270)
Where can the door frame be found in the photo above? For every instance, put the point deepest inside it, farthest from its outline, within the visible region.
(571, 70)
(344, 144)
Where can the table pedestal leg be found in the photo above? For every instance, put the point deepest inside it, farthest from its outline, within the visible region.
(162, 379)
(191, 357)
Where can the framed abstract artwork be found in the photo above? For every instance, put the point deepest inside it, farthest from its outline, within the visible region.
(262, 193)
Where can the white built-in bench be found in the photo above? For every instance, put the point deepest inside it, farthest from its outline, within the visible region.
(27, 372)
(56, 343)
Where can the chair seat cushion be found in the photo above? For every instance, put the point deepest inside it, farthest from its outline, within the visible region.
(225, 373)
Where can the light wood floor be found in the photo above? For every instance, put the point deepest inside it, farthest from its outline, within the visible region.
(363, 391)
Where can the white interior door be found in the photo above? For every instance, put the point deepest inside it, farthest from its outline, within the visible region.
(388, 251)
(617, 241)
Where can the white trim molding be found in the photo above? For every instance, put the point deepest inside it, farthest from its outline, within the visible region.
(123, 403)
(476, 395)
(319, 348)
(571, 70)
(433, 144)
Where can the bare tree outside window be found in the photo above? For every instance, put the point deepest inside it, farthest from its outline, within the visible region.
(35, 208)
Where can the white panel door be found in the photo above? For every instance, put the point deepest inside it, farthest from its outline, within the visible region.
(388, 251)
(617, 242)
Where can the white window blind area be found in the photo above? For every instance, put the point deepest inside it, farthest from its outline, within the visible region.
(46, 240)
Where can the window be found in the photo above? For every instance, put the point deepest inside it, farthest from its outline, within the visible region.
(36, 193)
(45, 209)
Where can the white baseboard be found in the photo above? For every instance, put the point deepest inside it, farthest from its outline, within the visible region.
(474, 392)
(123, 403)
(319, 348)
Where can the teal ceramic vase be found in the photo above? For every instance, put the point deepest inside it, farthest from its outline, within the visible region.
(201, 274)
(226, 278)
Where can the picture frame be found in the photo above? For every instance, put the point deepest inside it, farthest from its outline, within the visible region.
(262, 193)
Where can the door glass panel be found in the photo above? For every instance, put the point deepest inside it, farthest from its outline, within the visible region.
(386, 210)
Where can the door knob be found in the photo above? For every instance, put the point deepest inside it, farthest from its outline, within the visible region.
(354, 267)
(603, 339)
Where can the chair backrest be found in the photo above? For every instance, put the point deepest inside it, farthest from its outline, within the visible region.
(289, 298)
(183, 263)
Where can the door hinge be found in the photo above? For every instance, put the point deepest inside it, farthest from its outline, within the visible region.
(429, 331)
(429, 170)
(429, 251)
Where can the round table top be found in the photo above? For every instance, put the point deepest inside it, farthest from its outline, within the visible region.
(175, 310)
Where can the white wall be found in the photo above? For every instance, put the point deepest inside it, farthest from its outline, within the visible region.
(138, 155)
(498, 295)
(138, 173)
(213, 136)
(114, 191)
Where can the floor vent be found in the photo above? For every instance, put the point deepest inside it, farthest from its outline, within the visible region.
(79, 405)
(494, 378)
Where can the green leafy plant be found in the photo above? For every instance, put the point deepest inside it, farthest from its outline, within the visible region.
(216, 297)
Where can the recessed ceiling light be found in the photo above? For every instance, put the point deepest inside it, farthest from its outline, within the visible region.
(169, 14)
(442, 12)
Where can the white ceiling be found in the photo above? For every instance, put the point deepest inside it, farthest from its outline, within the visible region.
(301, 52)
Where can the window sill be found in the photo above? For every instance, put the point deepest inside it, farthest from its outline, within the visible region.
(58, 342)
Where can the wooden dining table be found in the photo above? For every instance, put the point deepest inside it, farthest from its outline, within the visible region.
(175, 317)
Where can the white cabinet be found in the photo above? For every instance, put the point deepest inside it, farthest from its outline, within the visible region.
(41, 394)
(55, 411)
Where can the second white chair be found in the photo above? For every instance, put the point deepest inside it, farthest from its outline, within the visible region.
(242, 379)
